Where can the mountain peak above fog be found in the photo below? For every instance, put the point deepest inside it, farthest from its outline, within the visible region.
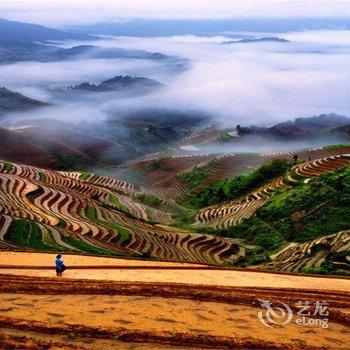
(301, 128)
(11, 101)
(257, 40)
(142, 27)
(34, 32)
(119, 83)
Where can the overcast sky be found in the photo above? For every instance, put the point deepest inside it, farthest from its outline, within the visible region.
(66, 12)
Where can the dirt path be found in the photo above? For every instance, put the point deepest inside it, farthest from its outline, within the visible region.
(216, 278)
(47, 259)
(113, 269)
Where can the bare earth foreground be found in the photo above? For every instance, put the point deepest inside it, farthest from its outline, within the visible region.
(105, 303)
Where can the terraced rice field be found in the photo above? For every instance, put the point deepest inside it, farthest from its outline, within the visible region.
(60, 211)
(312, 254)
(230, 213)
(229, 165)
(160, 175)
(159, 312)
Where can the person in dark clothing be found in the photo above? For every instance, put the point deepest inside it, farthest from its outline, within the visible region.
(60, 267)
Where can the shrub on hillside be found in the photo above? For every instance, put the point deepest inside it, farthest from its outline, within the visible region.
(194, 178)
(70, 161)
(240, 185)
(149, 200)
(299, 214)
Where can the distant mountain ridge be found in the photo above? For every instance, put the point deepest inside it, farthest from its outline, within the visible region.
(256, 40)
(11, 101)
(313, 127)
(31, 42)
(13, 30)
(19, 51)
(117, 83)
(208, 27)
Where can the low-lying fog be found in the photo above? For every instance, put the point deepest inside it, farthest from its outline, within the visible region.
(240, 83)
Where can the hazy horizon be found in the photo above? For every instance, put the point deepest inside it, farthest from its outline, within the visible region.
(257, 83)
(300, 73)
(60, 13)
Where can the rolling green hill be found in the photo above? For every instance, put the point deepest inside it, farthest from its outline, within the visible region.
(300, 213)
(296, 224)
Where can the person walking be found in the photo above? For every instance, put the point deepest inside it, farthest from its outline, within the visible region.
(60, 266)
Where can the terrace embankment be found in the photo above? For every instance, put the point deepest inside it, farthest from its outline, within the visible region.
(123, 270)
(108, 303)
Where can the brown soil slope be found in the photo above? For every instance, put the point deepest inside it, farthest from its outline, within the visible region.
(205, 317)
(142, 305)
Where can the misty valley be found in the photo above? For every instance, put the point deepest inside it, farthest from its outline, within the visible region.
(182, 151)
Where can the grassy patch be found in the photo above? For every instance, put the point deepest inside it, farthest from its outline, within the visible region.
(326, 268)
(337, 146)
(257, 232)
(28, 234)
(240, 185)
(61, 223)
(85, 175)
(158, 164)
(49, 241)
(225, 137)
(195, 177)
(8, 166)
(299, 214)
(185, 216)
(70, 161)
(91, 214)
(115, 201)
(41, 176)
(149, 200)
(85, 247)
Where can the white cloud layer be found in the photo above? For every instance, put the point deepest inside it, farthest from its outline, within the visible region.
(239, 83)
